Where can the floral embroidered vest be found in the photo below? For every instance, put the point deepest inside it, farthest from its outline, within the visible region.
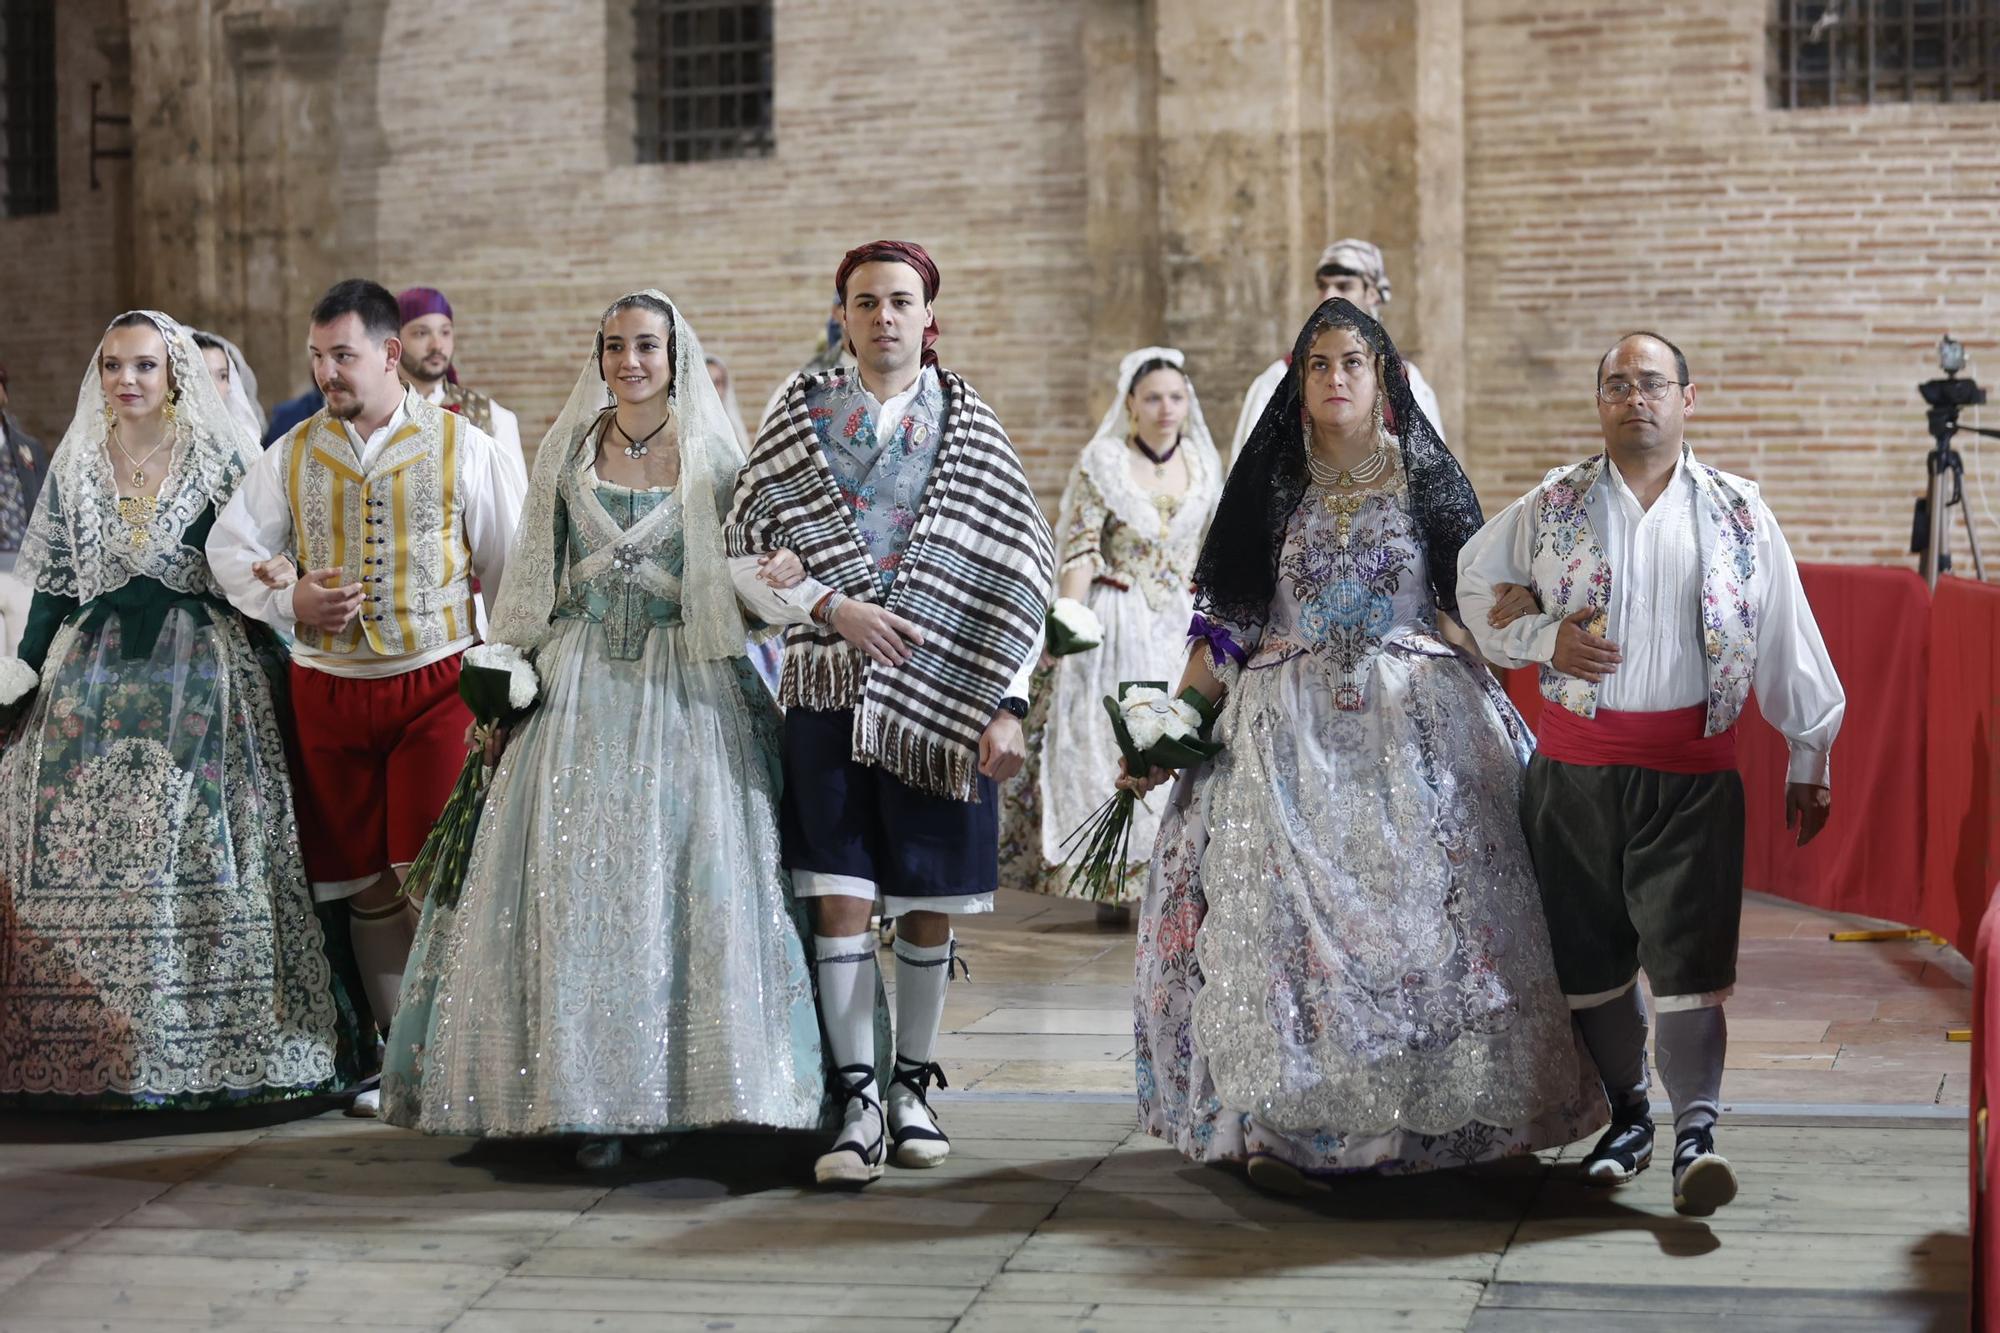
(397, 529)
(1570, 572)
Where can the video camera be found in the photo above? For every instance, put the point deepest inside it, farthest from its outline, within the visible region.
(1930, 531)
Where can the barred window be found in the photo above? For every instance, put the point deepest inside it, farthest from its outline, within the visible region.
(1863, 52)
(704, 80)
(28, 105)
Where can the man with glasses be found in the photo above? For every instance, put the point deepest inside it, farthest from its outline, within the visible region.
(1654, 592)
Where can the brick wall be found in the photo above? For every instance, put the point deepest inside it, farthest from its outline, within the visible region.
(60, 273)
(511, 186)
(1623, 171)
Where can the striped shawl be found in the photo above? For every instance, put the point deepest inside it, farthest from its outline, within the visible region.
(975, 578)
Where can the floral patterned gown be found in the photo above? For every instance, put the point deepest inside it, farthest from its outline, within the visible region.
(624, 956)
(1342, 959)
(158, 942)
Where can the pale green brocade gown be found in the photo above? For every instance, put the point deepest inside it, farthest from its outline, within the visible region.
(625, 955)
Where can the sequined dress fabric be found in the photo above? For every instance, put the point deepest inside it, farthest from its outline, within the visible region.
(1342, 960)
(624, 955)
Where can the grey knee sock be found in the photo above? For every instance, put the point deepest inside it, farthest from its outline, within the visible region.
(1692, 1043)
(1615, 1034)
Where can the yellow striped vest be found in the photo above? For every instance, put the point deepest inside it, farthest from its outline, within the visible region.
(397, 529)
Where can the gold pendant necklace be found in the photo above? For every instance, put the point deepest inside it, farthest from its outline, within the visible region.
(138, 465)
(138, 510)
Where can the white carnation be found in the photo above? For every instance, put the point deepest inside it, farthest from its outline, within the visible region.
(1151, 716)
(17, 681)
(522, 687)
(1077, 620)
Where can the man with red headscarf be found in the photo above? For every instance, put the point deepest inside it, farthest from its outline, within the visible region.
(429, 342)
(928, 570)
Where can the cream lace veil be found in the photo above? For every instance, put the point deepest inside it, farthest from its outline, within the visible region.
(1104, 457)
(712, 624)
(242, 398)
(77, 545)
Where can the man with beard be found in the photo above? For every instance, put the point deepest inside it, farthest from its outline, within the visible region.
(393, 507)
(429, 344)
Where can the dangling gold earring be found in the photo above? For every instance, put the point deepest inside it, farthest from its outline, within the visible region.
(1381, 426)
(110, 416)
(167, 410)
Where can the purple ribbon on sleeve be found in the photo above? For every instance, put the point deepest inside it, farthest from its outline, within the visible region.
(1221, 646)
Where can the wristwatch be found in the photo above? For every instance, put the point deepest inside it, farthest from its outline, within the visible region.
(1015, 704)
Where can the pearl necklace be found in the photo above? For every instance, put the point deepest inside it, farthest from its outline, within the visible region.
(1366, 472)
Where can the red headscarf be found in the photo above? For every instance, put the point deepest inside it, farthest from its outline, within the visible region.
(894, 252)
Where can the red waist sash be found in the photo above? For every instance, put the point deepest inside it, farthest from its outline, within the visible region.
(1668, 742)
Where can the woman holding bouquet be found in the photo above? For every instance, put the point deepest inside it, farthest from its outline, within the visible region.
(1342, 961)
(622, 957)
(1133, 514)
(158, 943)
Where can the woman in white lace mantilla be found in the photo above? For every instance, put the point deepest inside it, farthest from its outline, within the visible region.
(1342, 962)
(1132, 519)
(623, 958)
(158, 943)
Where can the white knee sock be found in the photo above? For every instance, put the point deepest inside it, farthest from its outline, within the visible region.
(923, 972)
(845, 966)
(381, 941)
(1692, 1045)
(1615, 1034)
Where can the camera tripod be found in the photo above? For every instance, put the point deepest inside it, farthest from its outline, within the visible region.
(1931, 538)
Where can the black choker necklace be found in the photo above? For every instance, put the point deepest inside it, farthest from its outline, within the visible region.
(636, 449)
(1159, 461)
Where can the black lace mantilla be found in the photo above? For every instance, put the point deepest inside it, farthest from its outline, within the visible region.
(1237, 573)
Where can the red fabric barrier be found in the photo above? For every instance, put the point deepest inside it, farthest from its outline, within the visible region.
(1870, 859)
(1964, 811)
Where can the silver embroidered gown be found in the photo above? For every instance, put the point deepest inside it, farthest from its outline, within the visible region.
(1342, 960)
(623, 957)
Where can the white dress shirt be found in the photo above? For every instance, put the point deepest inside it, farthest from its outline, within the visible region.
(257, 525)
(1655, 613)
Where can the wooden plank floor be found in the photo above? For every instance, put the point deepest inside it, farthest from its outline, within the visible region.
(1051, 1214)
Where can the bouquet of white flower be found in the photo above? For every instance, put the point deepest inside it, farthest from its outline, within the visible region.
(498, 684)
(1154, 730)
(1071, 627)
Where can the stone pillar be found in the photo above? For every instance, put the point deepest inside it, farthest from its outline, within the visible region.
(1242, 125)
(285, 239)
(1122, 219)
(1439, 308)
(173, 156)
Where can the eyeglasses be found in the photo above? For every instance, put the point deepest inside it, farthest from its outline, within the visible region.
(1654, 387)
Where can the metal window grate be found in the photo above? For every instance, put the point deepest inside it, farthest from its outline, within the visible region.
(28, 64)
(704, 85)
(1862, 52)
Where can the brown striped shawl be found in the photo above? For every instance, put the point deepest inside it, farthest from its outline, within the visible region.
(976, 578)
